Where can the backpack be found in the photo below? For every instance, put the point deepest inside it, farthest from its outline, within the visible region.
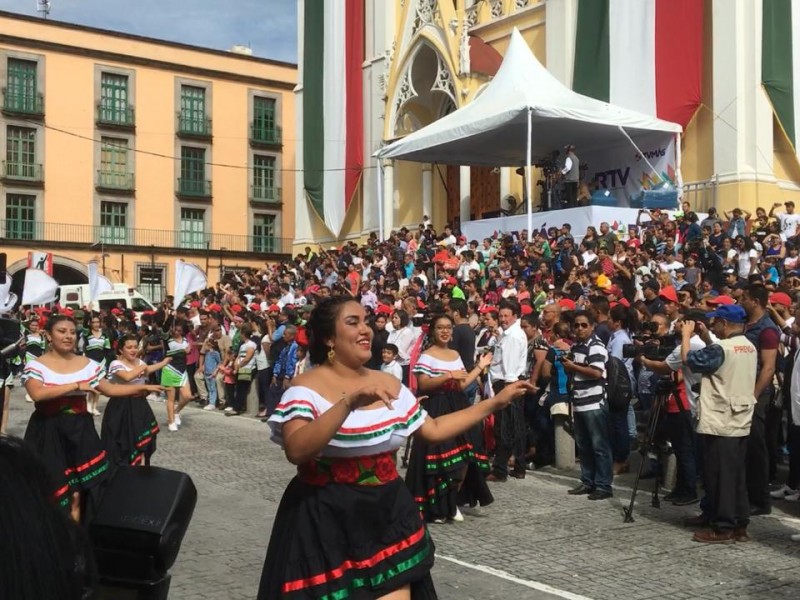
(619, 390)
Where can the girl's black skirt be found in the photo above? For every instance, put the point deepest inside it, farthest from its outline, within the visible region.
(129, 430)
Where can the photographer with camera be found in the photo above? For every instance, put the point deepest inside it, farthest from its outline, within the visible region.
(725, 410)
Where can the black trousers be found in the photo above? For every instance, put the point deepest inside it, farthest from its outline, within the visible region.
(794, 457)
(726, 481)
(509, 434)
(570, 197)
(758, 455)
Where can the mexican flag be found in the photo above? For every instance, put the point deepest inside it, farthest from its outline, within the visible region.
(646, 55)
(780, 63)
(333, 106)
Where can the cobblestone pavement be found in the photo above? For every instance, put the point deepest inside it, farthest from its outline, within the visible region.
(533, 543)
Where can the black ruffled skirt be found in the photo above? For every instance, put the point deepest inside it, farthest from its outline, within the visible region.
(347, 541)
(435, 471)
(129, 430)
(71, 450)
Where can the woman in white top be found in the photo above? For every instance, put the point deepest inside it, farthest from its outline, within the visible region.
(403, 336)
(129, 425)
(60, 430)
(442, 476)
(347, 526)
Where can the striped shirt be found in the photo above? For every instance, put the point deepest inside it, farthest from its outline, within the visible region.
(177, 352)
(588, 393)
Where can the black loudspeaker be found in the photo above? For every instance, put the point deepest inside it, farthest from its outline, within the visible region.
(3, 266)
(138, 528)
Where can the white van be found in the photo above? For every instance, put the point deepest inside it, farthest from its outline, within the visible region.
(77, 297)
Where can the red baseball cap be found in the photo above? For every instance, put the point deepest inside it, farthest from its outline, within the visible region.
(384, 309)
(567, 304)
(273, 308)
(527, 309)
(669, 293)
(195, 304)
(487, 308)
(726, 300)
(451, 281)
(780, 298)
(114, 311)
(255, 306)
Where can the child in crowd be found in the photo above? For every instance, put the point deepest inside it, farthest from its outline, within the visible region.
(390, 364)
(211, 365)
(229, 378)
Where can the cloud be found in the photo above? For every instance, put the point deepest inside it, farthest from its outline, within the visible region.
(269, 27)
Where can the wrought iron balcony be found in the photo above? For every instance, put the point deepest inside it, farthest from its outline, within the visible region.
(190, 124)
(21, 103)
(23, 172)
(194, 188)
(115, 116)
(116, 181)
(68, 235)
(267, 194)
(266, 136)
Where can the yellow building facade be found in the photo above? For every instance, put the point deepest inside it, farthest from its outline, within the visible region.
(427, 58)
(138, 152)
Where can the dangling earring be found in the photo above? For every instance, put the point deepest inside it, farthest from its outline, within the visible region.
(331, 356)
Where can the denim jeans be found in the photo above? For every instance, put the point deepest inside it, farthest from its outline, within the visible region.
(211, 386)
(620, 436)
(592, 433)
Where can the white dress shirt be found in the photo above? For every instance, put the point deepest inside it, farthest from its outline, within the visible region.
(510, 355)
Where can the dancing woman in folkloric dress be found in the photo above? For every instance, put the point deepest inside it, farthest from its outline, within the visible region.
(129, 425)
(60, 429)
(347, 526)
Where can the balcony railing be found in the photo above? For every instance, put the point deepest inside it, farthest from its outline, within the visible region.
(116, 116)
(194, 188)
(115, 180)
(77, 235)
(23, 171)
(23, 103)
(193, 125)
(261, 193)
(260, 134)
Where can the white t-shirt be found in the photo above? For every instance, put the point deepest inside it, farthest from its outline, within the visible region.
(744, 262)
(789, 224)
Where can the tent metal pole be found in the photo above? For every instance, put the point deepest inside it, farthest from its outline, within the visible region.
(379, 183)
(528, 183)
(639, 150)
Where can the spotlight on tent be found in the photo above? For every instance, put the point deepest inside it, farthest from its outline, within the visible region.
(138, 529)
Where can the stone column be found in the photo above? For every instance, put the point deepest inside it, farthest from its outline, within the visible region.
(743, 126)
(464, 193)
(388, 197)
(427, 190)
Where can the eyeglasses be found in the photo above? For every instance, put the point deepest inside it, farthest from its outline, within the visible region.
(582, 325)
(444, 328)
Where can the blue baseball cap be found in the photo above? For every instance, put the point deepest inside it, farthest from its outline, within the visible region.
(733, 313)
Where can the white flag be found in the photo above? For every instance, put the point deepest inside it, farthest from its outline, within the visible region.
(189, 278)
(97, 283)
(7, 298)
(39, 288)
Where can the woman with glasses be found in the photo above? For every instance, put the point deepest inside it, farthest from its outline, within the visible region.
(437, 472)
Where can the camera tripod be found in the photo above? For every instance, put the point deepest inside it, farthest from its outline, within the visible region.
(664, 387)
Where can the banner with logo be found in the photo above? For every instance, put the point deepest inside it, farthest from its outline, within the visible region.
(42, 261)
(624, 171)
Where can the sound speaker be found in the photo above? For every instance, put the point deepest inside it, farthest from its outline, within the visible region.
(139, 525)
(3, 267)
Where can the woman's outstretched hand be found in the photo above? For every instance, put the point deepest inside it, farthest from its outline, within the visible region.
(511, 392)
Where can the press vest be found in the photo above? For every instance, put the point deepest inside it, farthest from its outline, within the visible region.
(574, 173)
(726, 402)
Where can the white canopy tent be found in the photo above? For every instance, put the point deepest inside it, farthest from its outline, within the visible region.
(524, 112)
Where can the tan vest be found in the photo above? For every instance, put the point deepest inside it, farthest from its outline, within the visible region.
(726, 403)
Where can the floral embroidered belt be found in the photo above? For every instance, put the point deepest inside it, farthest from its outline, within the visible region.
(358, 470)
(71, 405)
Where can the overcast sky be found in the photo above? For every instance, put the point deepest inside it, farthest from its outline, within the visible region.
(269, 27)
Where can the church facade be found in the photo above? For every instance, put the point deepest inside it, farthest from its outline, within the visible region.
(423, 59)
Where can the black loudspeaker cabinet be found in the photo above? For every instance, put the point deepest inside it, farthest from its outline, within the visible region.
(138, 528)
